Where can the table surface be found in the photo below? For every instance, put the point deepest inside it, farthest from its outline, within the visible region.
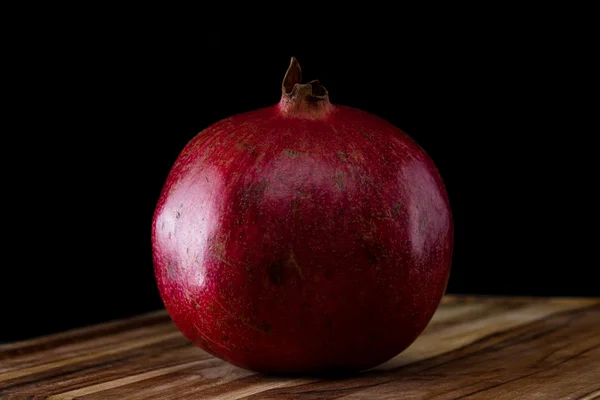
(474, 348)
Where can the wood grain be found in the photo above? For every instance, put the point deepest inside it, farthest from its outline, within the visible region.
(474, 348)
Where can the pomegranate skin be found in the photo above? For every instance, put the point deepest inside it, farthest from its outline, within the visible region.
(304, 240)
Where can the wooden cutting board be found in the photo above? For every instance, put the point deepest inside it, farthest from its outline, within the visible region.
(474, 348)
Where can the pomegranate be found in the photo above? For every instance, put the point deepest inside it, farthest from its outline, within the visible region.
(305, 237)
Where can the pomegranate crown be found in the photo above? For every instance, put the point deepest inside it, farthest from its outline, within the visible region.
(303, 100)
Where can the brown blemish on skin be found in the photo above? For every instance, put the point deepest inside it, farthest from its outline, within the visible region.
(342, 156)
(260, 156)
(266, 327)
(339, 181)
(292, 261)
(205, 154)
(276, 272)
(396, 209)
(304, 193)
(292, 153)
(246, 147)
(190, 296)
(366, 135)
(252, 194)
(171, 266)
(250, 272)
(357, 156)
(383, 215)
(373, 253)
(219, 251)
(340, 213)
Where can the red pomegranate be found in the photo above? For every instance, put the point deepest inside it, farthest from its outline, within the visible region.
(304, 237)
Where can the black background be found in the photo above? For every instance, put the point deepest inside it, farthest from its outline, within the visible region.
(99, 110)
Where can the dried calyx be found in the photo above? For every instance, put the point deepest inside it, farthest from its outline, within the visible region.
(303, 100)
